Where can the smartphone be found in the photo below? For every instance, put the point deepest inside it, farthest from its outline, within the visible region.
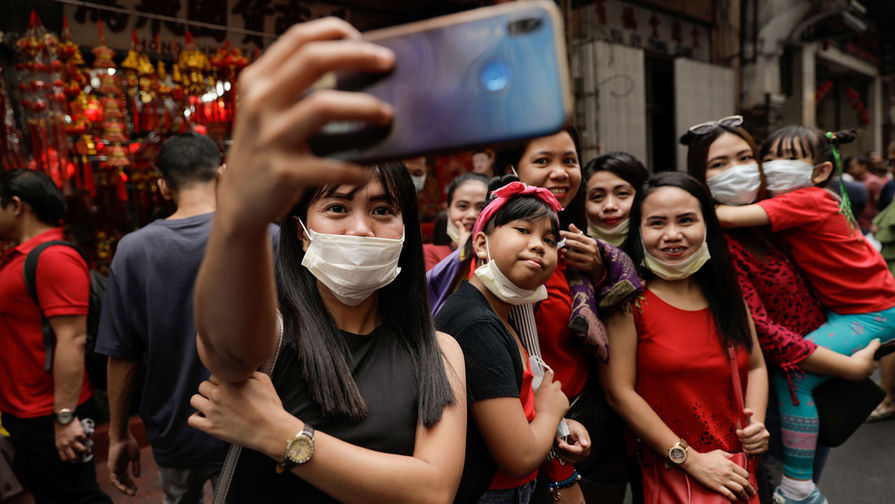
(884, 350)
(491, 75)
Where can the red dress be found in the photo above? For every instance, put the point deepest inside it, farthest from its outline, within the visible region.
(684, 374)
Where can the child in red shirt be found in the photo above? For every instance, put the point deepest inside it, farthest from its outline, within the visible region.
(850, 277)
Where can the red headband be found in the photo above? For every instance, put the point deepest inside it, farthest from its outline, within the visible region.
(503, 195)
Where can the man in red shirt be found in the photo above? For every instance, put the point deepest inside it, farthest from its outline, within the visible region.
(43, 410)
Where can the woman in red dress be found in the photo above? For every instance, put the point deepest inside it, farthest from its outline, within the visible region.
(670, 375)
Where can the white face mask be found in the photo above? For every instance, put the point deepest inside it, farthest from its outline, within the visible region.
(786, 175)
(737, 185)
(502, 287)
(419, 182)
(677, 271)
(452, 232)
(615, 236)
(352, 267)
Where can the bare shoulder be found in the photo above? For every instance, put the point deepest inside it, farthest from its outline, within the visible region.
(449, 347)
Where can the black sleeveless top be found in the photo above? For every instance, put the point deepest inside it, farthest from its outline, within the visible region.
(387, 381)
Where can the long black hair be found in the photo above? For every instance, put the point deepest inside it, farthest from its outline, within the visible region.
(757, 239)
(717, 278)
(511, 157)
(403, 305)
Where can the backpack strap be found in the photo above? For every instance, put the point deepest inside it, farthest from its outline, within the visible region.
(30, 272)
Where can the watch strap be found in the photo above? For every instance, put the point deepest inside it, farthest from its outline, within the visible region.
(64, 416)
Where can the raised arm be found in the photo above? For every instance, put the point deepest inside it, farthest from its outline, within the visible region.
(742, 216)
(268, 166)
(251, 414)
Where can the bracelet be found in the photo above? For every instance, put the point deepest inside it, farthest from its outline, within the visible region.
(566, 483)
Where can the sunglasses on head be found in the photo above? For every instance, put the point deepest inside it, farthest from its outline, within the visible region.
(707, 127)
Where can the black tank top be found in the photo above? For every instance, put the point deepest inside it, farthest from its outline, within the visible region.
(387, 381)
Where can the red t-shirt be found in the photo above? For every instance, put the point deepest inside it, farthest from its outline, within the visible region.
(501, 479)
(569, 360)
(433, 254)
(63, 287)
(848, 274)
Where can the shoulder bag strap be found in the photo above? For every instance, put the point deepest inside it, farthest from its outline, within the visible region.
(223, 487)
(737, 385)
(30, 272)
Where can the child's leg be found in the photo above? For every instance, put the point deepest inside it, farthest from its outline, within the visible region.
(798, 423)
(844, 334)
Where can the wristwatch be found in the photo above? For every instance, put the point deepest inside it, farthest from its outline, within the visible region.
(677, 454)
(64, 416)
(299, 449)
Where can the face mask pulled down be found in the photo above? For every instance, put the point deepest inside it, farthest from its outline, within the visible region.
(502, 287)
(614, 236)
(737, 185)
(677, 271)
(453, 232)
(352, 267)
(419, 182)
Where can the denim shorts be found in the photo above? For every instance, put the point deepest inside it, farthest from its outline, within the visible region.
(518, 495)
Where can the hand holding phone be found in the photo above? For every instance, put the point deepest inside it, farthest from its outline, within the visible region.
(490, 75)
(884, 350)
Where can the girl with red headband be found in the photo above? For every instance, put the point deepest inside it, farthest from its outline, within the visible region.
(515, 405)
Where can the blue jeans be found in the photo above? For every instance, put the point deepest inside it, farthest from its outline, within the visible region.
(518, 495)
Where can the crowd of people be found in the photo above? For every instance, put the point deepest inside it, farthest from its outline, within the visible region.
(577, 328)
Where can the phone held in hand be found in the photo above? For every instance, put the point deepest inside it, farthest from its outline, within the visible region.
(884, 350)
(490, 75)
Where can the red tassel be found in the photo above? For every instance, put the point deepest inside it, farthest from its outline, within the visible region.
(121, 186)
(89, 181)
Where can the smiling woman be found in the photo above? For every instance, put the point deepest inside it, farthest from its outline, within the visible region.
(674, 349)
(612, 181)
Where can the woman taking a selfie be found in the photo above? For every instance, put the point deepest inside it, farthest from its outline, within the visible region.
(366, 402)
(676, 345)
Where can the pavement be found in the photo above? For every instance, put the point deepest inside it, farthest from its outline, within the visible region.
(858, 472)
(149, 488)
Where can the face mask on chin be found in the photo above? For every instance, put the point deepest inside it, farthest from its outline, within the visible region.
(737, 185)
(615, 236)
(453, 232)
(352, 267)
(501, 286)
(680, 270)
(419, 182)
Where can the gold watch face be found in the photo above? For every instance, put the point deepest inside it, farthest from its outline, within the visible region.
(300, 449)
(677, 454)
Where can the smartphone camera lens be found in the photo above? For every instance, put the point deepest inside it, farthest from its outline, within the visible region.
(524, 26)
(495, 75)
